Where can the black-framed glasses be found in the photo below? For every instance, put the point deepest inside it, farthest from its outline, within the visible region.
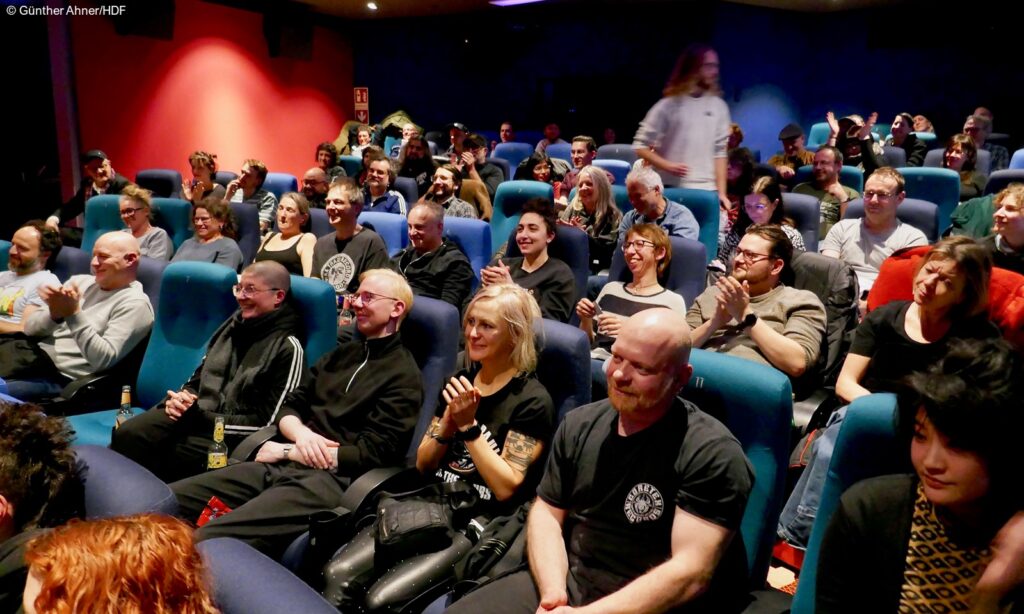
(130, 211)
(367, 298)
(637, 244)
(241, 291)
(749, 256)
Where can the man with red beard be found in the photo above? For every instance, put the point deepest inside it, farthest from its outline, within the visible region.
(641, 496)
(753, 315)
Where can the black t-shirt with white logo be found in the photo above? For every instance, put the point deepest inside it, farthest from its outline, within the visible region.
(622, 493)
(524, 406)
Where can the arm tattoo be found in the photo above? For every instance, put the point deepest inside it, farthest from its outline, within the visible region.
(519, 451)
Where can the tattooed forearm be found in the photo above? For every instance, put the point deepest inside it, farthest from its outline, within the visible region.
(520, 450)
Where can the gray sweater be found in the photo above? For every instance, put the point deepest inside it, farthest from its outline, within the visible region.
(108, 325)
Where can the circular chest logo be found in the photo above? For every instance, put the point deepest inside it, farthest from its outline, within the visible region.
(644, 503)
(338, 271)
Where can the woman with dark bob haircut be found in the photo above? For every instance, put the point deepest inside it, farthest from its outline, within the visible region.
(941, 538)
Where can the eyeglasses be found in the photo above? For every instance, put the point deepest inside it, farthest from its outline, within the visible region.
(750, 257)
(872, 195)
(636, 244)
(367, 298)
(130, 211)
(241, 291)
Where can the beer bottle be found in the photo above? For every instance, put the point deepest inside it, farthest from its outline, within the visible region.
(125, 412)
(217, 453)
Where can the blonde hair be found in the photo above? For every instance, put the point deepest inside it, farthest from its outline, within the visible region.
(520, 311)
(400, 289)
(126, 565)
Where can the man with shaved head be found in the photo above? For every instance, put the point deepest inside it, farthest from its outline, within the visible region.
(641, 496)
(252, 362)
(314, 186)
(85, 326)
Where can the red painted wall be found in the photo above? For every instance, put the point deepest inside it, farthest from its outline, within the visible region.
(148, 103)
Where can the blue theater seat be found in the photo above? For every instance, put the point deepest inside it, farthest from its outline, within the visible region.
(162, 182)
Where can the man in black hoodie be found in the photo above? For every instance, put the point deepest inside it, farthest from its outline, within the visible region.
(36, 467)
(252, 362)
(434, 266)
(356, 412)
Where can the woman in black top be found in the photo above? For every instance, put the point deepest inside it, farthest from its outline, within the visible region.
(593, 211)
(961, 156)
(202, 185)
(938, 540)
(493, 423)
(292, 246)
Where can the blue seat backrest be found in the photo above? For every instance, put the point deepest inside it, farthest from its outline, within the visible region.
(474, 239)
(508, 202)
(431, 332)
(562, 151)
(246, 581)
(279, 183)
(755, 402)
(389, 143)
(502, 163)
(895, 156)
(117, 486)
(928, 137)
(867, 446)
(937, 185)
(617, 151)
(999, 180)
(617, 168)
(513, 153)
(175, 216)
(849, 176)
(5, 252)
(1017, 160)
(351, 164)
(687, 273)
(563, 365)
(818, 135)
(162, 182)
(390, 226)
(319, 225)
(102, 215)
(316, 302)
(70, 261)
(195, 299)
(224, 177)
(151, 276)
(406, 186)
(247, 218)
(704, 206)
(920, 214)
(805, 210)
(570, 245)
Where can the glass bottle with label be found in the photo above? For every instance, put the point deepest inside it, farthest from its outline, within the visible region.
(217, 453)
(125, 412)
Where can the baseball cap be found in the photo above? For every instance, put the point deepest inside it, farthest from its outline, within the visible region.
(458, 125)
(93, 154)
(791, 131)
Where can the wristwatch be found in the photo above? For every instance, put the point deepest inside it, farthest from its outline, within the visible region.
(286, 450)
(748, 321)
(469, 434)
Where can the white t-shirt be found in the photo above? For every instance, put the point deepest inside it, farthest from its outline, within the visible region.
(18, 292)
(865, 251)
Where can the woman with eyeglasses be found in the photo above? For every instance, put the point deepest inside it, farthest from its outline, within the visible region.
(648, 254)
(202, 184)
(762, 206)
(492, 425)
(949, 535)
(961, 155)
(214, 239)
(539, 167)
(292, 246)
(135, 205)
(549, 280)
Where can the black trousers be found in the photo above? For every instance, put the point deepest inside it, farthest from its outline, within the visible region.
(171, 449)
(271, 504)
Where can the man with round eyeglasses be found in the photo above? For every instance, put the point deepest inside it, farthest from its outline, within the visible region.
(253, 360)
(753, 315)
(864, 243)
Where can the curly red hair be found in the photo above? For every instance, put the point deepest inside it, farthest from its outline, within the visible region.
(132, 565)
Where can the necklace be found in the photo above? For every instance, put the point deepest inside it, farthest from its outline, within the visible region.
(636, 289)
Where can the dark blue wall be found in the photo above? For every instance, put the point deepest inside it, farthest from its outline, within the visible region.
(596, 64)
